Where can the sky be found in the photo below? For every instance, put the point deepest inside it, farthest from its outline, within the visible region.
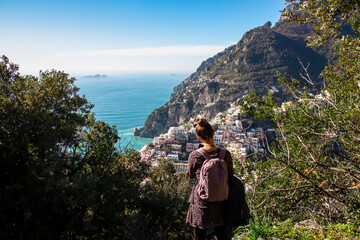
(117, 36)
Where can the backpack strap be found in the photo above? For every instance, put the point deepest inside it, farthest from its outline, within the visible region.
(204, 153)
(207, 155)
(222, 153)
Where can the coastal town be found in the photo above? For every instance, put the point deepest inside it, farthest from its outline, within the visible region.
(243, 137)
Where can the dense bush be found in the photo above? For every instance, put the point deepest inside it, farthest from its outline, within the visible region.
(288, 229)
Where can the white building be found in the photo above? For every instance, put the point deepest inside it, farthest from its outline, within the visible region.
(147, 154)
(255, 143)
(175, 131)
(218, 139)
(245, 149)
(235, 148)
(222, 127)
(162, 153)
(181, 167)
(156, 156)
(190, 147)
(240, 136)
(238, 123)
(235, 145)
(259, 132)
(175, 148)
(234, 128)
(171, 157)
(160, 139)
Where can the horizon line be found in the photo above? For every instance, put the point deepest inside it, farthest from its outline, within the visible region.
(174, 50)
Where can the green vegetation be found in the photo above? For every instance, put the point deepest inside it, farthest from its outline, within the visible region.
(314, 171)
(63, 175)
(256, 228)
(288, 229)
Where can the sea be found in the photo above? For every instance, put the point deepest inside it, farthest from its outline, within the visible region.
(127, 100)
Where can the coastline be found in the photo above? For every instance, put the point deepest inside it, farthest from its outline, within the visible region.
(128, 139)
(126, 101)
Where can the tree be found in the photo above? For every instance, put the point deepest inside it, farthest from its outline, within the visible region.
(62, 175)
(181, 138)
(314, 171)
(185, 155)
(164, 205)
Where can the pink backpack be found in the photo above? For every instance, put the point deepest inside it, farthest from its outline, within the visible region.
(213, 182)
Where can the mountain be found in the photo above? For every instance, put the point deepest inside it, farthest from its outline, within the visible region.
(250, 65)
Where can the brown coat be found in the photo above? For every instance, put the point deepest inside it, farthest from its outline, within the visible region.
(203, 214)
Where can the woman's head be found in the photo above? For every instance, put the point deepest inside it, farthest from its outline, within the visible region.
(204, 129)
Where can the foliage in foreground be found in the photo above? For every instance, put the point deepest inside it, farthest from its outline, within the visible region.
(63, 175)
(313, 170)
(288, 229)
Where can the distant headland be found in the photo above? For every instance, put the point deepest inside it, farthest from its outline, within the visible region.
(95, 76)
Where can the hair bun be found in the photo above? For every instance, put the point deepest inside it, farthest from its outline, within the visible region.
(201, 122)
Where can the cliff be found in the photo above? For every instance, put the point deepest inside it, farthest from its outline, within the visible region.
(250, 65)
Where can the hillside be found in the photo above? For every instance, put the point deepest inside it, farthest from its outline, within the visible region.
(250, 65)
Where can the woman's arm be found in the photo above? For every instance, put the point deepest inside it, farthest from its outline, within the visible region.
(191, 166)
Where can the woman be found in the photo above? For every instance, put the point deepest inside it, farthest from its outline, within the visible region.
(203, 215)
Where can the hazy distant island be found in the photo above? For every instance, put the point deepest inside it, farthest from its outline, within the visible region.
(95, 76)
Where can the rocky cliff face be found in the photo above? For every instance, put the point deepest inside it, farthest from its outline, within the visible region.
(250, 65)
(202, 68)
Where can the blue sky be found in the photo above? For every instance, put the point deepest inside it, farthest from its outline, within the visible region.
(114, 37)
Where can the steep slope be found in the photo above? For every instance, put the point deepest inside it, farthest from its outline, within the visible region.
(202, 68)
(250, 65)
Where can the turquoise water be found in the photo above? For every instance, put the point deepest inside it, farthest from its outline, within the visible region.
(126, 101)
